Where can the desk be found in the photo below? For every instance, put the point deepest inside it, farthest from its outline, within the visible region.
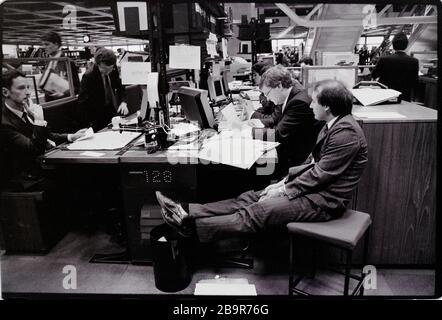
(398, 186)
(178, 174)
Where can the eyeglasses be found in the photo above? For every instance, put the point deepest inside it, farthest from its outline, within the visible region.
(268, 92)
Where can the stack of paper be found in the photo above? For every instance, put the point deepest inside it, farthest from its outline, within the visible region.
(236, 151)
(108, 140)
(253, 94)
(372, 96)
(225, 286)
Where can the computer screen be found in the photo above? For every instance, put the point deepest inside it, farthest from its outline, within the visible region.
(216, 90)
(195, 105)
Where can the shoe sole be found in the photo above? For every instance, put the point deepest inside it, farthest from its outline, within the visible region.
(165, 218)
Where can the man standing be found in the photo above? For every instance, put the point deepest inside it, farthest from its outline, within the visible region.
(24, 134)
(292, 119)
(102, 95)
(52, 43)
(318, 190)
(398, 71)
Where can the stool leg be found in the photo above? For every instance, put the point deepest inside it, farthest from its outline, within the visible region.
(291, 267)
(347, 270)
(364, 258)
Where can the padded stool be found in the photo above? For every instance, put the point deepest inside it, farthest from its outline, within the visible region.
(343, 233)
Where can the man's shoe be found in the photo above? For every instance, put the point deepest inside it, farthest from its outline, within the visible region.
(174, 215)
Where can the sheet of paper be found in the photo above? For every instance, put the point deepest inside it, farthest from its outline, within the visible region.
(88, 134)
(92, 154)
(152, 89)
(181, 129)
(184, 57)
(371, 96)
(108, 140)
(135, 72)
(230, 115)
(224, 47)
(236, 151)
(379, 115)
(219, 289)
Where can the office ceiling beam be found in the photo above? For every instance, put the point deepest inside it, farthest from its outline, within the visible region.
(352, 23)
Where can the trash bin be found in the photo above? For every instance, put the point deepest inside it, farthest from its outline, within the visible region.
(171, 261)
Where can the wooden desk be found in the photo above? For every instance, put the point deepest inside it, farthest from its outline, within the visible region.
(398, 186)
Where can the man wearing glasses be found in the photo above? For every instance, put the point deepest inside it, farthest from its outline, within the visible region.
(102, 96)
(292, 119)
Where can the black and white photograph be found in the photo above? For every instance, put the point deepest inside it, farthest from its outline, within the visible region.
(210, 150)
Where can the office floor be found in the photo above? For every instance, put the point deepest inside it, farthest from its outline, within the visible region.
(44, 274)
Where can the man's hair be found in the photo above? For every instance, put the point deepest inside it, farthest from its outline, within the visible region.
(277, 75)
(400, 41)
(261, 67)
(9, 76)
(52, 37)
(307, 61)
(335, 95)
(106, 56)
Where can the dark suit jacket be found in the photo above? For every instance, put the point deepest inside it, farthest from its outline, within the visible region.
(22, 143)
(340, 158)
(92, 107)
(295, 128)
(399, 72)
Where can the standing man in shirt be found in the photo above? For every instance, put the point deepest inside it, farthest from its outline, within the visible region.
(102, 96)
(398, 71)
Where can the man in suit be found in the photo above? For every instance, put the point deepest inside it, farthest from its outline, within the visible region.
(102, 96)
(24, 134)
(292, 120)
(52, 44)
(398, 71)
(318, 190)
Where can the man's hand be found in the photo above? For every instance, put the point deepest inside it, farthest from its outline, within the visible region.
(122, 109)
(78, 134)
(34, 110)
(272, 193)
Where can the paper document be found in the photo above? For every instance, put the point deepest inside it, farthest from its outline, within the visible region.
(230, 115)
(181, 129)
(372, 96)
(88, 134)
(135, 72)
(54, 83)
(108, 140)
(236, 151)
(225, 286)
(379, 115)
(184, 57)
(92, 154)
(253, 94)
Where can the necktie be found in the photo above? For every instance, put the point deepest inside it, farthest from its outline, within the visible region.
(26, 119)
(108, 92)
(323, 132)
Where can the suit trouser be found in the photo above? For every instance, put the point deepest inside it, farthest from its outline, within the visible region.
(245, 215)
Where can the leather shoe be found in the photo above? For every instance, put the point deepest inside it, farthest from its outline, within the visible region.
(174, 215)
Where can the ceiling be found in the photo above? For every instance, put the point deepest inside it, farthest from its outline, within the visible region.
(24, 22)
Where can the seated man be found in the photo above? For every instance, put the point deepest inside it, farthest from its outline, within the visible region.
(318, 190)
(23, 132)
(292, 119)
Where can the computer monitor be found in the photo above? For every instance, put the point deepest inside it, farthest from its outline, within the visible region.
(195, 105)
(134, 95)
(216, 90)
